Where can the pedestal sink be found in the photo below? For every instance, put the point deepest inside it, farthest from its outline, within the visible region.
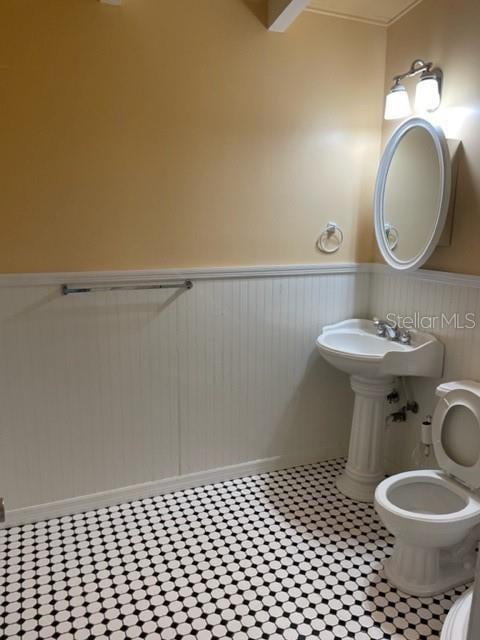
(373, 362)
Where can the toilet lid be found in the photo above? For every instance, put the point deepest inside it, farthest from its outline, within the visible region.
(456, 435)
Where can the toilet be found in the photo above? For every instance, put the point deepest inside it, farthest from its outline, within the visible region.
(435, 514)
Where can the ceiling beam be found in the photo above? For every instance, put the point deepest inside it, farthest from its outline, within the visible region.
(282, 13)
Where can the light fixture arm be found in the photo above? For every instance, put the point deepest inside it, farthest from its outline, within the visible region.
(417, 66)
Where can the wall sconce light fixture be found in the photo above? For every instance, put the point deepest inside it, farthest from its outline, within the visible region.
(427, 96)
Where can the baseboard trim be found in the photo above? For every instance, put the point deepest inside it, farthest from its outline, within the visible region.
(81, 504)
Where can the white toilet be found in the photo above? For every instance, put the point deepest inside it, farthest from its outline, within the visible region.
(435, 515)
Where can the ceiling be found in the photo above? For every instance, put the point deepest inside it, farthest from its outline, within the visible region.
(382, 12)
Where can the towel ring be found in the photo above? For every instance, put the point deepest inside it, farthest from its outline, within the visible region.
(392, 235)
(332, 230)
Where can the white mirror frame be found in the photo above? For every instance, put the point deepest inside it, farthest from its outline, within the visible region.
(445, 166)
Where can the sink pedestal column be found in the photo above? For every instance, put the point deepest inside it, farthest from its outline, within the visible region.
(364, 468)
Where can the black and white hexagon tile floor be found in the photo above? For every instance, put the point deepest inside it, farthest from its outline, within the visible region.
(280, 555)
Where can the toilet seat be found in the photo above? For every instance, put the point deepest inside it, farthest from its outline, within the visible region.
(384, 497)
(468, 399)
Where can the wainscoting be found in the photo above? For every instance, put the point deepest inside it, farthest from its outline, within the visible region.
(111, 396)
(429, 294)
(114, 396)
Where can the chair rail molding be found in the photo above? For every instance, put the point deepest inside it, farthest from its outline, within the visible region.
(196, 273)
(231, 273)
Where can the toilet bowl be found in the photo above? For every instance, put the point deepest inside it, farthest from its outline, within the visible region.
(431, 517)
(435, 514)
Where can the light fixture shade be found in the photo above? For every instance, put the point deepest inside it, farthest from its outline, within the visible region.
(397, 104)
(427, 96)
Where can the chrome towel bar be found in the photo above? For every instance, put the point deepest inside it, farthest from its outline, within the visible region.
(68, 289)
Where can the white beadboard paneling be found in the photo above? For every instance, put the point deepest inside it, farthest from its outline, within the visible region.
(88, 390)
(252, 384)
(109, 393)
(429, 295)
(105, 391)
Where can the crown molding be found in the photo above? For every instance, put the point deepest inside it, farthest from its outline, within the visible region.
(356, 18)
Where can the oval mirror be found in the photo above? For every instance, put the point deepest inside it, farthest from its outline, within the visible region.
(412, 194)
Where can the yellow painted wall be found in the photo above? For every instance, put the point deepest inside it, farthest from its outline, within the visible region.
(447, 33)
(167, 134)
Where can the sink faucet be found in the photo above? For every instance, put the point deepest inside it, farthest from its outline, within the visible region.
(391, 330)
(386, 329)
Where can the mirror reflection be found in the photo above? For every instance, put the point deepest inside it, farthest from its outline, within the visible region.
(412, 195)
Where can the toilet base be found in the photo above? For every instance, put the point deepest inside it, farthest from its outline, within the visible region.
(426, 572)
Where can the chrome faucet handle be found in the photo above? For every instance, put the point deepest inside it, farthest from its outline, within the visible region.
(405, 337)
(379, 328)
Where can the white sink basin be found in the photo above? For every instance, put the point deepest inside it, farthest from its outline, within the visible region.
(353, 346)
